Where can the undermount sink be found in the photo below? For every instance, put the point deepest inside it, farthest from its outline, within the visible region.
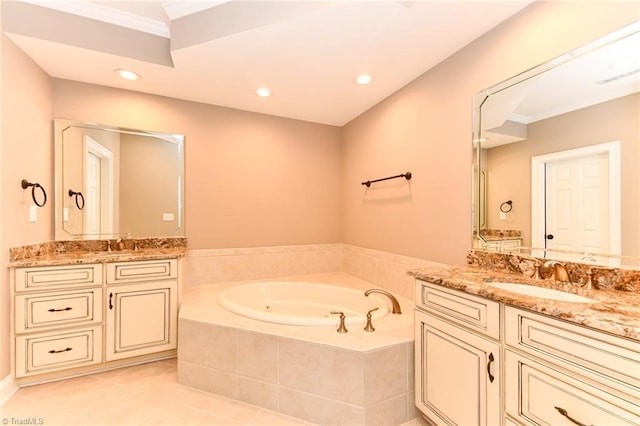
(542, 292)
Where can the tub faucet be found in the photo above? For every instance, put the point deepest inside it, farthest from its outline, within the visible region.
(341, 327)
(369, 326)
(560, 273)
(394, 301)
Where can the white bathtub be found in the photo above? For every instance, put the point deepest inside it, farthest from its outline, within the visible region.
(301, 303)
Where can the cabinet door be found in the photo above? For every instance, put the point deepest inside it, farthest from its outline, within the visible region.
(141, 319)
(537, 394)
(457, 374)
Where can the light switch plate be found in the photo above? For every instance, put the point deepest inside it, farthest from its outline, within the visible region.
(33, 213)
(167, 217)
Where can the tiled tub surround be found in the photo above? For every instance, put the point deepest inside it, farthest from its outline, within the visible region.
(313, 373)
(615, 311)
(252, 263)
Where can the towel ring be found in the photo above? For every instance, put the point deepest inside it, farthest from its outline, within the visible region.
(506, 206)
(75, 194)
(25, 184)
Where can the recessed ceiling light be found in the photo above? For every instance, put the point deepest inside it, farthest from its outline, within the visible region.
(127, 75)
(264, 92)
(363, 79)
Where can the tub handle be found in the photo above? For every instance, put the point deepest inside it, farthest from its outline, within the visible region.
(341, 328)
(369, 326)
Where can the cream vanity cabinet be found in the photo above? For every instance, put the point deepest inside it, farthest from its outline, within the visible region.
(502, 245)
(142, 308)
(57, 318)
(457, 357)
(558, 373)
(553, 372)
(83, 316)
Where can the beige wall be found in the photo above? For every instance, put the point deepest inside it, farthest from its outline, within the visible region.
(425, 128)
(27, 153)
(251, 179)
(257, 180)
(509, 166)
(148, 171)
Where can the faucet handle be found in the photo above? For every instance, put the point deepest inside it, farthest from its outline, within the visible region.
(369, 326)
(341, 328)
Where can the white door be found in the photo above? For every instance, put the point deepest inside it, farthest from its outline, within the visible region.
(93, 195)
(577, 204)
(576, 201)
(99, 188)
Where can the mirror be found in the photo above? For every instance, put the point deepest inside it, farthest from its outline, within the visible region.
(113, 182)
(557, 153)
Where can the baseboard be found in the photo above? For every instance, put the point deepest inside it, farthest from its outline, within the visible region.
(8, 387)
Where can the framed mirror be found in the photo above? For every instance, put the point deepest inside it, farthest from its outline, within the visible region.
(557, 154)
(113, 182)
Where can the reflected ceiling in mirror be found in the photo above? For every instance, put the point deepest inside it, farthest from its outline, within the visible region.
(561, 143)
(113, 182)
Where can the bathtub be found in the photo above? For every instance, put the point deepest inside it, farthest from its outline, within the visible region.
(310, 372)
(301, 303)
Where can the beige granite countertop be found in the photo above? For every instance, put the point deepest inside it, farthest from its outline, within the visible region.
(616, 312)
(76, 258)
(76, 252)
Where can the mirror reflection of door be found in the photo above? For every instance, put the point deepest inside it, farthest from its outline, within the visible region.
(580, 197)
(98, 185)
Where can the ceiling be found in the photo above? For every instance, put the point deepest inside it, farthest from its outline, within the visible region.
(606, 69)
(307, 53)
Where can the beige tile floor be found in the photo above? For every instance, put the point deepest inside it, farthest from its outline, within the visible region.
(146, 394)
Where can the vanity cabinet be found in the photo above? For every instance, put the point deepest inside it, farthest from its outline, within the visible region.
(502, 245)
(141, 316)
(457, 357)
(553, 372)
(57, 318)
(558, 373)
(77, 318)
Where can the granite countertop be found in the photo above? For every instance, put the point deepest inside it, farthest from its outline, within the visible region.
(76, 252)
(99, 257)
(616, 312)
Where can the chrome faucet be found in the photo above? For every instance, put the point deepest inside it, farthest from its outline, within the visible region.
(394, 301)
(560, 273)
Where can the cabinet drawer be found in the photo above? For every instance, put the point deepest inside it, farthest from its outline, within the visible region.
(42, 353)
(537, 395)
(578, 348)
(57, 277)
(476, 313)
(38, 311)
(126, 272)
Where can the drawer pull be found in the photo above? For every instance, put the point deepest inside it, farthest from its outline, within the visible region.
(53, 351)
(566, 414)
(60, 310)
(491, 359)
(110, 301)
